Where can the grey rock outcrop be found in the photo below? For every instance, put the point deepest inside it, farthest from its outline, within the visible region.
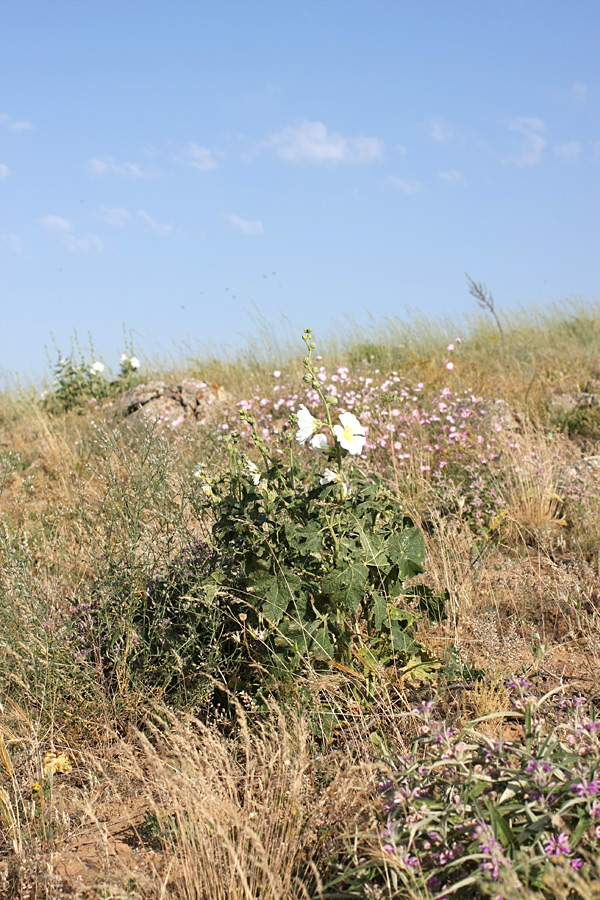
(167, 404)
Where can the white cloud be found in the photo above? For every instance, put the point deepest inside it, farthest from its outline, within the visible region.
(200, 158)
(311, 142)
(440, 130)
(251, 228)
(14, 126)
(163, 229)
(579, 91)
(568, 152)
(115, 216)
(452, 176)
(406, 185)
(63, 229)
(99, 167)
(82, 244)
(12, 241)
(4, 171)
(55, 224)
(533, 142)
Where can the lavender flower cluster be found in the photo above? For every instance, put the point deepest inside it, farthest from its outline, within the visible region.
(465, 810)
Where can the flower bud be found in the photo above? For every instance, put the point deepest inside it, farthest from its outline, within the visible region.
(331, 401)
(312, 345)
(306, 362)
(307, 379)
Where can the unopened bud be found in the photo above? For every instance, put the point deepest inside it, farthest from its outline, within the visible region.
(307, 379)
(306, 362)
(331, 401)
(312, 345)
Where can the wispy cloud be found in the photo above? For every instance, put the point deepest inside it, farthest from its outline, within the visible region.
(568, 152)
(579, 91)
(115, 216)
(4, 171)
(312, 142)
(440, 130)
(406, 185)
(63, 229)
(529, 153)
(13, 125)
(12, 241)
(99, 167)
(161, 228)
(200, 158)
(452, 176)
(55, 224)
(401, 151)
(244, 225)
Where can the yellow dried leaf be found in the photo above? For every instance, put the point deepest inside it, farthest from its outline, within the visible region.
(57, 765)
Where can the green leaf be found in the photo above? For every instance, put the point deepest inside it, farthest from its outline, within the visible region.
(305, 539)
(323, 647)
(346, 587)
(379, 610)
(581, 827)
(278, 592)
(501, 827)
(374, 547)
(407, 551)
(402, 641)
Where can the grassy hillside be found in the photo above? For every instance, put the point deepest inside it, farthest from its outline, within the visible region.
(237, 666)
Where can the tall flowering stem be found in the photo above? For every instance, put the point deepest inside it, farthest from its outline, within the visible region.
(311, 378)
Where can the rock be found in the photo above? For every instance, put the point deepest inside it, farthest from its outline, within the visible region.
(502, 415)
(579, 472)
(139, 396)
(169, 405)
(562, 404)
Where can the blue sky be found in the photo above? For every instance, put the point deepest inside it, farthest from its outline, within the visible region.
(174, 165)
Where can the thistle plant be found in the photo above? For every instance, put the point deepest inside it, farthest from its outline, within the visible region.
(315, 562)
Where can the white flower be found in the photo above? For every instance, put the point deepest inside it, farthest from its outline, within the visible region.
(319, 442)
(307, 425)
(252, 470)
(134, 362)
(97, 367)
(350, 434)
(329, 477)
(124, 357)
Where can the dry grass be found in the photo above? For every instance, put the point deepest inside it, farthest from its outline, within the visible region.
(269, 808)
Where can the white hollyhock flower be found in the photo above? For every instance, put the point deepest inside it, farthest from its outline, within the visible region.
(350, 434)
(253, 471)
(134, 362)
(329, 477)
(124, 357)
(307, 425)
(97, 367)
(319, 442)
